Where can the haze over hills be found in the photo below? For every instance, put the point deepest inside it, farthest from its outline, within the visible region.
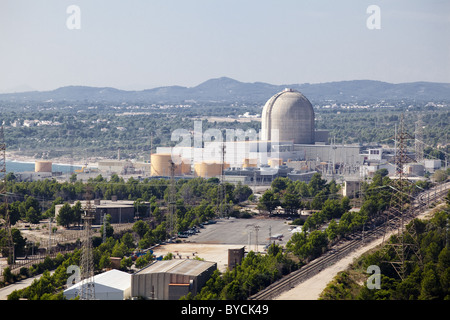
(228, 90)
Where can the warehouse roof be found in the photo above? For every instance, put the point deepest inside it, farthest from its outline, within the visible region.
(188, 267)
(114, 279)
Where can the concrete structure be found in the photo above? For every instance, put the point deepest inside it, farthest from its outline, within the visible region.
(33, 176)
(123, 167)
(121, 211)
(235, 257)
(250, 163)
(301, 176)
(432, 165)
(109, 285)
(43, 166)
(351, 189)
(291, 114)
(275, 162)
(171, 279)
(415, 169)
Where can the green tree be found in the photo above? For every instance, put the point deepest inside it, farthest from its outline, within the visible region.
(65, 215)
(77, 210)
(33, 216)
(269, 201)
(332, 230)
(430, 286)
(290, 203)
(141, 228)
(140, 208)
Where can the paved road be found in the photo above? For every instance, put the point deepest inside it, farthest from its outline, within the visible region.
(4, 292)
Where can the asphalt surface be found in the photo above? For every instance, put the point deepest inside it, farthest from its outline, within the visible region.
(241, 231)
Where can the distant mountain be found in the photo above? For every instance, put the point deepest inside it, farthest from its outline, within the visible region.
(228, 90)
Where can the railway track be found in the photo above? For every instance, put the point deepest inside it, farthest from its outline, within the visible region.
(341, 250)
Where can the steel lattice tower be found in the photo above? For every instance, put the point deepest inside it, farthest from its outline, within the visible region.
(404, 240)
(87, 289)
(3, 191)
(171, 197)
(221, 190)
(419, 140)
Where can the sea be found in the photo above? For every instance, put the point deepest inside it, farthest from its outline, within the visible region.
(17, 166)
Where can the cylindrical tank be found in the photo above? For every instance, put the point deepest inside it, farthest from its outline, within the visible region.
(185, 166)
(43, 166)
(160, 165)
(250, 163)
(209, 169)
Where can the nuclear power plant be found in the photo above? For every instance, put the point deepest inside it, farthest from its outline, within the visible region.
(287, 145)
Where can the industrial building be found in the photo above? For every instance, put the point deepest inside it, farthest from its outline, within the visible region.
(286, 146)
(123, 167)
(109, 285)
(121, 211)
(287, 136)
(171, 279)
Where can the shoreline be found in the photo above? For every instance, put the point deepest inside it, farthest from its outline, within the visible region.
(64, 161)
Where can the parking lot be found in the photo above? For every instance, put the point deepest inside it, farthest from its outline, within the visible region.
(214, 240)
(242, 232)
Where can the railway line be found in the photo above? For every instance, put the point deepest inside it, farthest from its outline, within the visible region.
(339, 251)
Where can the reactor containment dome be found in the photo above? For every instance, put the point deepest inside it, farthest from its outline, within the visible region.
(291, 114)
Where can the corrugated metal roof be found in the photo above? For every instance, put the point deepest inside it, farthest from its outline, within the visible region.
(178, 266)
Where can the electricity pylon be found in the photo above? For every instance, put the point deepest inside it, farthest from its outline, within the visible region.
(87, 289)
(404, 243)
(222, 208)
(171, 197)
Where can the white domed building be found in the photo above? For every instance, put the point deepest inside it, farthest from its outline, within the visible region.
(291, 114)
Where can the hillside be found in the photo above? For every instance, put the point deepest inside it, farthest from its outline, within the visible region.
(427, 278)
(227, 90)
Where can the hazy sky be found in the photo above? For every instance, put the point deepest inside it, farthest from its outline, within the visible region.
(137, 44)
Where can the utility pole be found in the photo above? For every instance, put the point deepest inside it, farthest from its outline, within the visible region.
(257, 230)
(256, 227)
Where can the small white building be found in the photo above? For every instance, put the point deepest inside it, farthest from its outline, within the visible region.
(109, 285)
